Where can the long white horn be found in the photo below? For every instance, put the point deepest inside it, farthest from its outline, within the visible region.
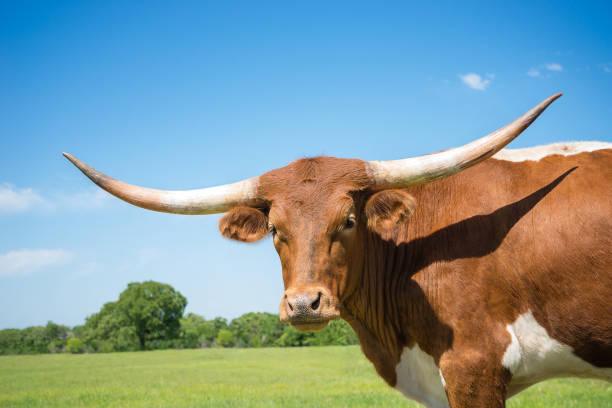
(203, 201)
(423, 169)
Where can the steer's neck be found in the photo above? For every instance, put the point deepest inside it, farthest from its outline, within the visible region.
(395, 304)
(388, 306)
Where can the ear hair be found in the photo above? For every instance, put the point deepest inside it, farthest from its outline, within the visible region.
(244, 224)
(387, 209)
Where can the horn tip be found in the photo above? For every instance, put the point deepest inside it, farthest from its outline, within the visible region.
(546, 102)
(74, 160)
(69, 156)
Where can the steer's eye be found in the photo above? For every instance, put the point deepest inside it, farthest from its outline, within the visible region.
(350, 222)
(272, 229)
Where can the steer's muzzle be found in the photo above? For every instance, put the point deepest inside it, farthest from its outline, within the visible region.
(308, 308)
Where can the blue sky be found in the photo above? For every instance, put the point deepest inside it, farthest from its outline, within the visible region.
(179, 95)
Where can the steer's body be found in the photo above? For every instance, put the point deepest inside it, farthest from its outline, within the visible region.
(501, 278)
(464, 284)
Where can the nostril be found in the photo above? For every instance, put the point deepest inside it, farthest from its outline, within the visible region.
(316, 303)
(289, 303)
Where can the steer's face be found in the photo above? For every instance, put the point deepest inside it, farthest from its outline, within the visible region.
(317, 244)
(318, 213)
(314, 219)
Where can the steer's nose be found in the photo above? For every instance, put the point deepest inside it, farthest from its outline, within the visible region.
(308, 308)
(305, 303)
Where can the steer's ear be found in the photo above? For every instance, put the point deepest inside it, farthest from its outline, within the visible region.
(387, 209)
(244, 224)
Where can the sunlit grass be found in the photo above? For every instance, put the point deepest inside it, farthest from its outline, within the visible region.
(273, 377)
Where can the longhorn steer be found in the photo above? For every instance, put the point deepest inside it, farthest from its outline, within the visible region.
(463, 290)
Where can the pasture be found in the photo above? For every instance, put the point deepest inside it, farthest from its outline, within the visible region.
(268, 377)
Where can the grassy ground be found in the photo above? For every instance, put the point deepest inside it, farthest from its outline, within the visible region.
(288, 377)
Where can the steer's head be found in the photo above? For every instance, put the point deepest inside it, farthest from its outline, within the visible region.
(317, 211)
(313, 212)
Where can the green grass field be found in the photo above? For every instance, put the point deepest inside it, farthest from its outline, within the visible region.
(272, 377)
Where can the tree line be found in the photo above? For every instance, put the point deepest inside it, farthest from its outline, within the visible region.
(150, 316)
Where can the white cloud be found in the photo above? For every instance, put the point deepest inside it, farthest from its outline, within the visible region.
(553, 66)
(26, 261)
(533, 72)
(475, 81)
(606, 67)
(15, 200)
(536, 72)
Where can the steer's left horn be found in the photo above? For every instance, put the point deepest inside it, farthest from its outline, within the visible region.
(423, 169)
(203, 201)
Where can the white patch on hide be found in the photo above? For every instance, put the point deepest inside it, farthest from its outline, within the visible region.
(420, 379)
(442, 378)
(538, 152)
(512, 356)
(534, 356)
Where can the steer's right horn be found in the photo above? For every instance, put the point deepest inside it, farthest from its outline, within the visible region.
(210, 200)
(423, 169)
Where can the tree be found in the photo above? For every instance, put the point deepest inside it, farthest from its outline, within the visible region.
(56, 331)
(212, 327)
(192, 330)
(145, 312)
(11, 341)
(225, 338)
(56, 336)
(293, 338)
(109, 329)
(199, 332)
(34, 340)
(153, 309)
(338, 332)
(75, 345)
(256, 329)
